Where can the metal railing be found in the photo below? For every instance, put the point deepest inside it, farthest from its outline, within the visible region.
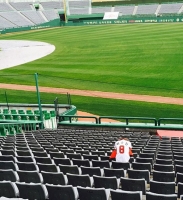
(160, 120)
(128, 119)
(73, 117)
(11, 128)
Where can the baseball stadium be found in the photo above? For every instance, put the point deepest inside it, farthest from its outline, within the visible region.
(78, 77)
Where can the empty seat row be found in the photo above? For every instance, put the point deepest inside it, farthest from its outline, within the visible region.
(67, 192)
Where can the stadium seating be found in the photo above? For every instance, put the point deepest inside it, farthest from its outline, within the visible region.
(17, 20)
(125, 10)
(34, 16)
(96, 10)
(27, 159)
(146, 9)
(22, 14)
(50, 14)
(170, 8)
(47, 5)
(5, 7)
(20, 6)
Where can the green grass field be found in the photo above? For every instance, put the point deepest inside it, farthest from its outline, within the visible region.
(135, 58)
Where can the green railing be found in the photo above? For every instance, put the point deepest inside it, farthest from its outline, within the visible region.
(160, 120)
(11, 128)
(74, 118)
(71, 111)
(125, 122)
(128, 119)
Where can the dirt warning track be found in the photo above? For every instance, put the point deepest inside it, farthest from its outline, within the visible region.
(99, 94)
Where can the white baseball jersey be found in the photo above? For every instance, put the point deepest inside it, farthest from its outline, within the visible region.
(122, 150)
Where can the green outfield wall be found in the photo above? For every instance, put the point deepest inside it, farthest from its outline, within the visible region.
(97, 19)
(50, 24)
(128, 20)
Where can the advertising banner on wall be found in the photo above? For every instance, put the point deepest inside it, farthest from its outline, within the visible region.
(111, 15)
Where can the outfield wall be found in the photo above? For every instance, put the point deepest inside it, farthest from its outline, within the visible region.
(50, 24)
(130, 20)
(80, 21)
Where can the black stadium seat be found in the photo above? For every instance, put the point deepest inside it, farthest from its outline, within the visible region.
(8, 175)
(79, 180)
(81, 162)
(105, 182)
(129, 184)
(125, 195)
(101, 164)
(32, 191)
(108, 172)
(91, 171)
(180, 189)
(92, 193)
(163, 168)
(139, 174)
(55, 178)
(179, 177)
(63, 192)
(72, 169)
(7, 158)
(30, 176)
(43, 160)
(118, 165)
(27, 166)
(164, 161)
(162, 187)
(8, 165)
(25, 159)
(142, 166)
(163, 176)
(8, 189)
(154, 196)
(47, 167)
(62, 161)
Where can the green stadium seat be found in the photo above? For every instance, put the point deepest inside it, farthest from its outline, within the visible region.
(5, 111)
(8, 116)
(2, 117)
(3, 131)
(21, 112)
(36, 112)
(29, 112)
(24, 117)
(16, 117)
(13, 111)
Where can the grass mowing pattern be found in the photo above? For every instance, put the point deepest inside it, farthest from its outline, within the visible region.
(99, 106)
(138, 58)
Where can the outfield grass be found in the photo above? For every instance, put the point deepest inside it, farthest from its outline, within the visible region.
(99, 106)
(134, 58)
(138, 58)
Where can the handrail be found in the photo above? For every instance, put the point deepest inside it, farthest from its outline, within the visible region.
(168, 119)
(76, 116)
(10, 127)
(128, 118)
